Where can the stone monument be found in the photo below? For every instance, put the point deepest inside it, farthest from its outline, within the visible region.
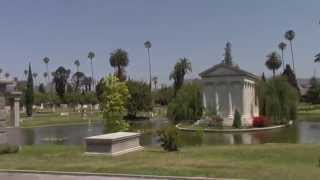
(227, 88)
(13, 99)
(113, 144)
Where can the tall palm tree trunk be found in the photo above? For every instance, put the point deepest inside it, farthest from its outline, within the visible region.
(149, 68)
(274, 73)
(292, 56)
(47, 69)
(283, 63)
(92, 74)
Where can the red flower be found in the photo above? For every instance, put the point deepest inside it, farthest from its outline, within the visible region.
(261, 121)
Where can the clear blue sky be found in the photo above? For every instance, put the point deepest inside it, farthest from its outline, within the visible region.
(65, 30)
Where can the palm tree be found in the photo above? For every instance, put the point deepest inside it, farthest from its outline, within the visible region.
(282, 46)
(77, 63)
(181, 68)
(273, 62)
(148, 45)
(45, 75)
(91, 56)
(317, 58)
(25, 73)
(290, 35)
(119, 60)
(7, 75)
(46, 61)
(155, 81)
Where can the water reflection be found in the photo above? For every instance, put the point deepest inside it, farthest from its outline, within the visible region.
(302, 132)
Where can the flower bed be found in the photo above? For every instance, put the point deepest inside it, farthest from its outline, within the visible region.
(261, 121)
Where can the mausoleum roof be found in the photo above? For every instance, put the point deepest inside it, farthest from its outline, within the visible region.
(222, 70)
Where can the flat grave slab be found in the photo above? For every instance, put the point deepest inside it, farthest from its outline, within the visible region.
(113, 144)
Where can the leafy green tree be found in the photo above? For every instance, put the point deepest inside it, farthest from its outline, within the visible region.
(99, 89)
(282, 46)
(313, 93)
(41, 88)
(90, 98)
(273, 62)
(227, 55)
(78, 80)
(290, 35)
(60, 78)
(281, 100)
(113, 104)
(187, 105)
(91, 56)
(119, 60)
(29, 95)
(237, 119)
(139, 99)
(41, 98)
(169, 139)
(181, 68)
(260, 89)
(289, 74)
(163, 96)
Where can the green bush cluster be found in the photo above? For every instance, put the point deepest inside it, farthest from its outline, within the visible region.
(278, 100)
(8, 149)
(139, 98)
(187, 105)
(237, 119)
(169, 139)
(113, 104)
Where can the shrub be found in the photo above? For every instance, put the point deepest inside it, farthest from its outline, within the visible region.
(169, 139)
(7, 149)
(261, 121)
(163, 96)
(187, 105)
(237, 119)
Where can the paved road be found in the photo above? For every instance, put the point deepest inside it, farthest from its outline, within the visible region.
(28, 176)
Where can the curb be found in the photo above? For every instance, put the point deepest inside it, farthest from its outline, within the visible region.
(107, 175)
(234, 130)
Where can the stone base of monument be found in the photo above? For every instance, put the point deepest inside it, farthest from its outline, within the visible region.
(3, 137)
(113, 144)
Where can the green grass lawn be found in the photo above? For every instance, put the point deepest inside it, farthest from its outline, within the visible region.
(269, 161)
(50, 119)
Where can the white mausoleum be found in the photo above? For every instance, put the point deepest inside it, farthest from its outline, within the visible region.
(226, 88)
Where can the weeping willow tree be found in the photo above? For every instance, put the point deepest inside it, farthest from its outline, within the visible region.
(187, 105)
(281, 100)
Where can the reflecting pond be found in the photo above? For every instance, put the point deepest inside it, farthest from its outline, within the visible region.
(300, 132)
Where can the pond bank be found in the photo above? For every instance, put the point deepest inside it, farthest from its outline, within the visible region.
(193, 129)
